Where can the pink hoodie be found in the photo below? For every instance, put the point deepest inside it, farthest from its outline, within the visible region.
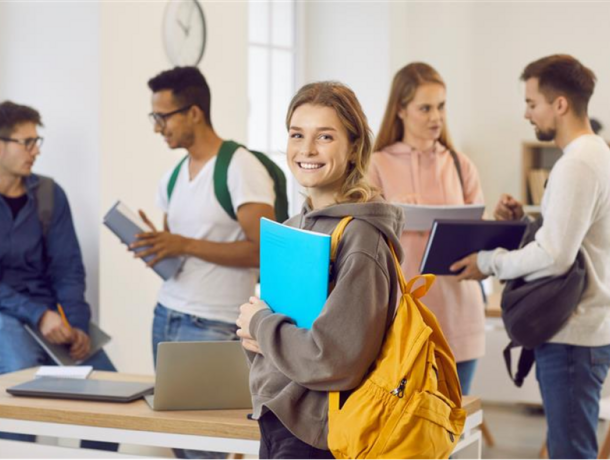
(406, 175)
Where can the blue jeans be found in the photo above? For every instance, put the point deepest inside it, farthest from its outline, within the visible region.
(172, 326)
(19, 350)
(465, 370)
(570, 380)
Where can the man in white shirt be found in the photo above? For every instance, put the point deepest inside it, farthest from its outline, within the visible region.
(202, 301)
(572, 366)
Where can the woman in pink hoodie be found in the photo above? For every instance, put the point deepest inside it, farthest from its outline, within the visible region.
(415, 162)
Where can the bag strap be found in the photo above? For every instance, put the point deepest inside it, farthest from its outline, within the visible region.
(221, 176)
(334, 397)
(336, 237)
(279, 185)
(458, 168)
(173, 178)
(526, 362)
(406, 287)
(45, 202)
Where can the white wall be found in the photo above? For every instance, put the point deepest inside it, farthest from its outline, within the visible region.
(49, 59)
(350, 42)
(133, 158)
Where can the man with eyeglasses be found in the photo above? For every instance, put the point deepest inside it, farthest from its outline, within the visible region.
(202, 302)
(40, 260)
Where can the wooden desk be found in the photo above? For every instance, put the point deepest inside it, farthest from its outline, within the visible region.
(137, 423)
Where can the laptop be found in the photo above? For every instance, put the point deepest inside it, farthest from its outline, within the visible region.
(85, 389)
(201, 376)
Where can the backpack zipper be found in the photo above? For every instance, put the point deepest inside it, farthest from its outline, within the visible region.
(399, 392)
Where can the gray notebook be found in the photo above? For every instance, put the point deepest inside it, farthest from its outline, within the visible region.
(125, 224)
(61, 353)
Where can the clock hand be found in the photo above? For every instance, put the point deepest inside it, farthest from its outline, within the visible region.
(190, 18)
(184, 28)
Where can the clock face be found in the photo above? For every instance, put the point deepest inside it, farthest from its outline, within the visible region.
(184, 32)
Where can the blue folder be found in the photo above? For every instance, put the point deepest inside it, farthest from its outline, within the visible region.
(294, 268)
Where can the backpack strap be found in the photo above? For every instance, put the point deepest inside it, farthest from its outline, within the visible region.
(334, 397)
(406, 288)
(526, 362)
(221, 174)
(173, 178)
(335, 239)
(279, 185)
(458, 168)
(45, 202)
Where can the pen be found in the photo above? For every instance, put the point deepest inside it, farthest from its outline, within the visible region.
(63, 316)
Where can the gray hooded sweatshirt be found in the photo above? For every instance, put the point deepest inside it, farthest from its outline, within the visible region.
(298, 367)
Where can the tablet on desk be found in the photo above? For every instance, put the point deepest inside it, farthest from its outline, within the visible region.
(452, 240)
(88, 390)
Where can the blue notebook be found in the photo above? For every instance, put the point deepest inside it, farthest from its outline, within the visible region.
(294, 271)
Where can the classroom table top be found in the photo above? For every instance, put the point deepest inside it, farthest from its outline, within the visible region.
(136, 415)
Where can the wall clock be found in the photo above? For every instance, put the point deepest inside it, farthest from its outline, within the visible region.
(184, 32)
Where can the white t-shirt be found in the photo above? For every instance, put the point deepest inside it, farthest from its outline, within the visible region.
(202, 288)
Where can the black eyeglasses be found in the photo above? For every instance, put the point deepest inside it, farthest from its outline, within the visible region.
(28, 143)
(160, 119)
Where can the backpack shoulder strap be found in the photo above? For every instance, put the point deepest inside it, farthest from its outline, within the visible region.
(45, 202)
(458, 167)
(279, 185)
(334, 397)
(221, 174)
(173, 178)
(336, 237)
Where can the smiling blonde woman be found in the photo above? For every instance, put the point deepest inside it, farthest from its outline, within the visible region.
(293, 369)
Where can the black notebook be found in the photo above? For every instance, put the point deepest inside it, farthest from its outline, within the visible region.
(452, 240)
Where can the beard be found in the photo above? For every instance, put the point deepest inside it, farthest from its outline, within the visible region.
(548, 135)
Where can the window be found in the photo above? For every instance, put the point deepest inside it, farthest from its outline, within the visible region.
(272, 80)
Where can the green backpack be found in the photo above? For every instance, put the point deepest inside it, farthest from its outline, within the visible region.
(221, 187)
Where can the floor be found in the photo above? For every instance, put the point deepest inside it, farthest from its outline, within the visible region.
(519, 431)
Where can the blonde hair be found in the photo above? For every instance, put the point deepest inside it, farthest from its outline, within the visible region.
(405, 84)
(337, 96)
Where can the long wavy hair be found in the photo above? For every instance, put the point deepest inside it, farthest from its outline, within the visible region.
(405, 84)
(355, 188)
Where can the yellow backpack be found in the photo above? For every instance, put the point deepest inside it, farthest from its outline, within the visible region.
(409, 405)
